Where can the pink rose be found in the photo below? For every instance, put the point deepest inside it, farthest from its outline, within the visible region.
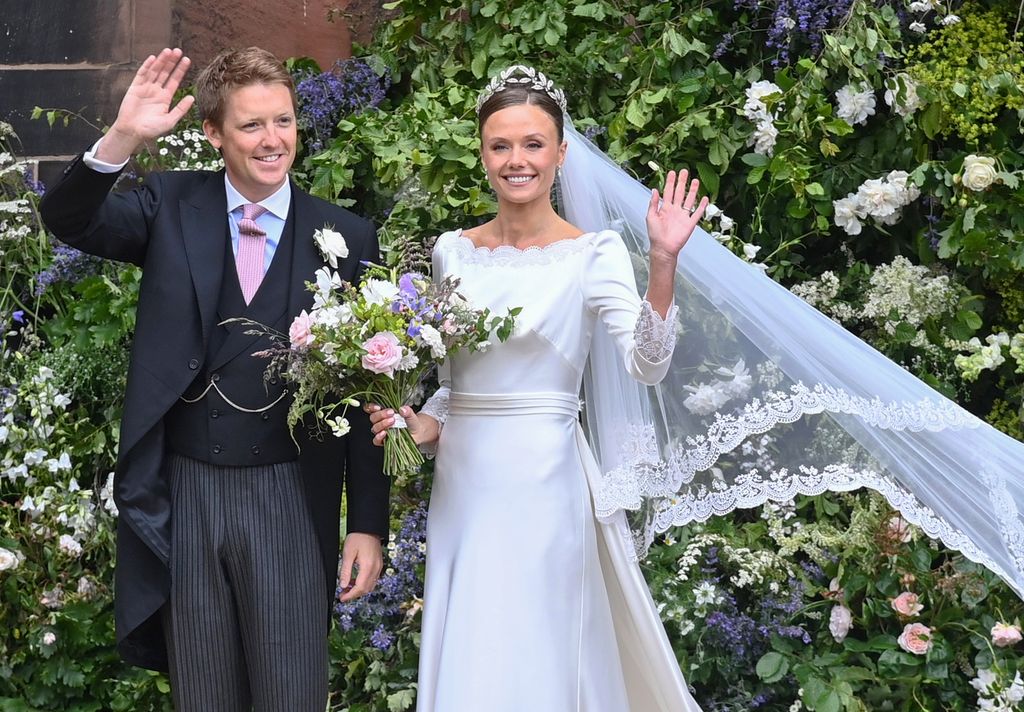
(916, 638)
(1005, 634)
(906, 604)
(383, 353)
(300, 332)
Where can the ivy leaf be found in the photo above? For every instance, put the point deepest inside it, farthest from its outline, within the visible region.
(401, 700)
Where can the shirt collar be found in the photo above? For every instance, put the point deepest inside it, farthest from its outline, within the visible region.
(277, 203)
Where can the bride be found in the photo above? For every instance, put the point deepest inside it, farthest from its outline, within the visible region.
(530, 602)
(534, 599)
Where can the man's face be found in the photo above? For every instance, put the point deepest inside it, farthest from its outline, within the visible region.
(257, 138)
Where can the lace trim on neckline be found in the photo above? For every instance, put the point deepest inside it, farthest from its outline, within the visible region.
(509, 255)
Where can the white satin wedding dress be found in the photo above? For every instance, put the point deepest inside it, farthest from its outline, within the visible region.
(531, 603)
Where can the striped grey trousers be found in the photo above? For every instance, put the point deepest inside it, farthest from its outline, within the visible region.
(247, 619)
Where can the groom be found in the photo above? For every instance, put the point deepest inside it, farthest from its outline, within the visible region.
(228, 534)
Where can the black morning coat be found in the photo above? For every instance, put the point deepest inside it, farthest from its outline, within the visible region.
(174, 226)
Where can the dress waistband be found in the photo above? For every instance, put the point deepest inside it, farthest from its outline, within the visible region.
(513, 404)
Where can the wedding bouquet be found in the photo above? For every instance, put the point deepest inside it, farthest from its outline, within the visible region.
(374, 342)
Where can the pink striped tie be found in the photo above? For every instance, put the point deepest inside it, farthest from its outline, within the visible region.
(252, 243)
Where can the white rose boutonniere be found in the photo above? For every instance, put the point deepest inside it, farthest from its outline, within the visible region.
(332, 245)
(979, 172)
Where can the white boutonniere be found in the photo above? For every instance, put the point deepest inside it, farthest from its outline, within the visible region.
(332, 245)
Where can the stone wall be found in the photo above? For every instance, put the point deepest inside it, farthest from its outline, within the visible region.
(80, 55)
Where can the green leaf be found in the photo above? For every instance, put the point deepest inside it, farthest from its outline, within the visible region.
(772, 667)
(969, 216)
(401, 700)
(709, 178)
(754, 159)
(638, 113)
(930, 119)
(960, 89)
(814, 189)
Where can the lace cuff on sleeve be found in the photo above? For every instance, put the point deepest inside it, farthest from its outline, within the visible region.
(655, 338)
(437, 408)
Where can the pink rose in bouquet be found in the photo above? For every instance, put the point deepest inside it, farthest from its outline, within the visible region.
(383, 353)
(300, 333)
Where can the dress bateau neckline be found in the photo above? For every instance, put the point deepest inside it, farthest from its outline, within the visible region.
(460, 233)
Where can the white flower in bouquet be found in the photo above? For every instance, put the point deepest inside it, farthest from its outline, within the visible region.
(69, 546)
(750, 251)
(920, 6)
(327, 283)
(332, 245)
(840, 620)
(339, 426)
(855, 104)
(726, 223)
(34, 457)
(334, 315)
(918, 27)
(8, 560)
(979, 172)
(950, 20)
(432, 338)
(379, 291)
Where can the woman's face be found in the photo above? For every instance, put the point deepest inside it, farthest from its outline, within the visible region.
(521, 152)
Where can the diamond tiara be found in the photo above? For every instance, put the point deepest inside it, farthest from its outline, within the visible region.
(519, 75)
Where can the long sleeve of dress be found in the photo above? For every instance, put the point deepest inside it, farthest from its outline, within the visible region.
(645, 340)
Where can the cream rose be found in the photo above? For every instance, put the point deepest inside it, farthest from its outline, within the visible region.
(8, 559)
(916, 638)
(979, 172)
(906, 604)
(1005, 634)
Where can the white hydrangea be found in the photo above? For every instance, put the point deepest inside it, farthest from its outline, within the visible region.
(855, 103)
(912, 293)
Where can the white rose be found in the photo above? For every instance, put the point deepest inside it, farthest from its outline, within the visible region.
(879, 198)
(839, 622)
(855, 106)
(332, 245)
(379, 291)
(847, 214)
(979, 172)
(763, 138)
(8, 560)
